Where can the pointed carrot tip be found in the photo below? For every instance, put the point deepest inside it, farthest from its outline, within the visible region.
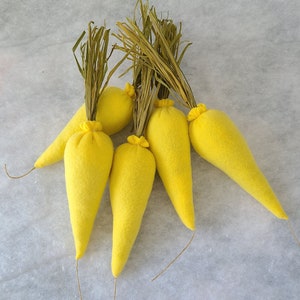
(281, 215)
(78, 256)
(192, 228)
(115, 273)
(190, 225)
(284, 217)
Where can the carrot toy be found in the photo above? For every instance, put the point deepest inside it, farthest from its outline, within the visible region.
(167, 132)
(131, 180)
(216, 138)
(89, 152)
(133, 169)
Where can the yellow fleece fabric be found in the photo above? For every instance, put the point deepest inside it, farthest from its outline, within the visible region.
(115, 108)
(216, 138)
(88, 159)
(167, 133)
(130, 185)
(114, 111)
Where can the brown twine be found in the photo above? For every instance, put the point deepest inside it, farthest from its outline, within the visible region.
(78, 281)
(176, 257)
(115, 288)
(17, 177)
(292, 230)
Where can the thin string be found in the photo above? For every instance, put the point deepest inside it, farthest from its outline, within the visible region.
(177, 256)
(17, 177)
(115, 288)
(78, 281)
(293, 232)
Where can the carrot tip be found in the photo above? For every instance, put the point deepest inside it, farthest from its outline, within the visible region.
(17, 177)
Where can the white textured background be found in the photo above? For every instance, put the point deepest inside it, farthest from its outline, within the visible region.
(245, 60)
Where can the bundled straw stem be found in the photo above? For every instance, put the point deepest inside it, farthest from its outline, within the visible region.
(94, 65)
(146, 95)
(164, 61)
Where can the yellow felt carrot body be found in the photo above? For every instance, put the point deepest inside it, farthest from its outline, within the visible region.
(114, 112)
(130, 186)
(167, 133)
(88, 153)
(115, 108)
(88, 158)
(216, 138)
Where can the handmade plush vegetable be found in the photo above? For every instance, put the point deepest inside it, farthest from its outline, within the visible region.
(216, 139)
(212, 133)
(89, 152)
(132, 177)
(167, 132)
(88, 159)
(114, 112)
(131, 183)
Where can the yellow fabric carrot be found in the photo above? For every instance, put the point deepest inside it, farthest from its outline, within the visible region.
(114, 112)
(88, 154)
(216, 138)
(88, 158)
(167, 133)
(130, 186)
(133, 170)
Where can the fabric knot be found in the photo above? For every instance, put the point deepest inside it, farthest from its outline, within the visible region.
(129, 90)
(135, 140)
(91, 126)
(195, 112)
(163, 103)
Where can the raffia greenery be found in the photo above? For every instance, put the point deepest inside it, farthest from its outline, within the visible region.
(144, 101)
(143, 74)
(164, 59)
(169, 37)
(94, 65)
(173, 39)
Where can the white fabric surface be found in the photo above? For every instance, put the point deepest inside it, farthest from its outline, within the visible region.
(245, 60)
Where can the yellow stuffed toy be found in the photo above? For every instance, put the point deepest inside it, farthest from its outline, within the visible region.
(216, 138)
